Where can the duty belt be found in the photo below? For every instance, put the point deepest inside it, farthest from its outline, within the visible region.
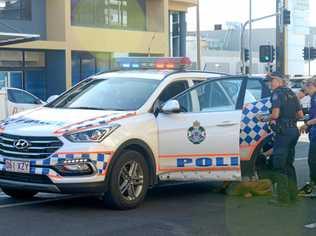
(287, 123)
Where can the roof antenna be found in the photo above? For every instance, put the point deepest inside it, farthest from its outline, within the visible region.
(150, 44)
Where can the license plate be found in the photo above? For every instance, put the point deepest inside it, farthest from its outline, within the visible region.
(17, 166)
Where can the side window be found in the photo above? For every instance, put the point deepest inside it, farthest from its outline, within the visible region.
(210, 97)
(232, 88)
(195, 82)
(17, 96)
(173, 90)
(255, 88)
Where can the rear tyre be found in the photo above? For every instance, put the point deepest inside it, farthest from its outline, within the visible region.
(18, 193)
(128, 181)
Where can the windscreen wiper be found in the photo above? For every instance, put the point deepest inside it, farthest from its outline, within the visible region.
(86, 108)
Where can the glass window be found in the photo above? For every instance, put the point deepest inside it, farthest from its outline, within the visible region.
(125, 14)
(34, 59)
(127, 94)
(210, 97)
(173, 90)
(21, 97)
(85, 64)
(15, 9)
(255, 88)
(11, 58)
(232, 88)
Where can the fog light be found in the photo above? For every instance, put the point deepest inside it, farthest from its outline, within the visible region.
(75, 167)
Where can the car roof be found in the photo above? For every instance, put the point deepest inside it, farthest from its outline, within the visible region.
(149, 74)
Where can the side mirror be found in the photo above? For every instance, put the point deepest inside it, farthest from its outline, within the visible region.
(52, 98)
(172, 106)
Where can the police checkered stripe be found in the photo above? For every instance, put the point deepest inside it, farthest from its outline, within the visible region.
(100, 160)
(251, 129)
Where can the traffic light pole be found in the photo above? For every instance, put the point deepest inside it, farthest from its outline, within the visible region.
(250, 37)
(198, 36)
(309, 59)
(242, 40)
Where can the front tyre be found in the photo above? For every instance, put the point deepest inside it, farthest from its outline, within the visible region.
(128, 181)
(18, 193)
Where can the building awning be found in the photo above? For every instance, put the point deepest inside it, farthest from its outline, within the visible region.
(14, 38)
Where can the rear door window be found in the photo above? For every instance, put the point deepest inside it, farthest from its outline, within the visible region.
(21, 97)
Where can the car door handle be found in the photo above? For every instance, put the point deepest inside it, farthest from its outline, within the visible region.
(227, 123)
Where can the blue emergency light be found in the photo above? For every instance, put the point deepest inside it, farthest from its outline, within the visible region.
(159, 63)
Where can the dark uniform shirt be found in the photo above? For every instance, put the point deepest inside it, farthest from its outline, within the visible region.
(312, 115)
(288, 103)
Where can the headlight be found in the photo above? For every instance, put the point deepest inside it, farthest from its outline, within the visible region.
(93, 135)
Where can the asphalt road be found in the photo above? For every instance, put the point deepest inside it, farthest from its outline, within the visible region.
(186, 209)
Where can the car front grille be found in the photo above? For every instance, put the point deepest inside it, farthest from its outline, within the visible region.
(25, 178)
(39, 147)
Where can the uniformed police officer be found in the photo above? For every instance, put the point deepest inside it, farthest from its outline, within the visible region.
(310, 127)
(285, 112)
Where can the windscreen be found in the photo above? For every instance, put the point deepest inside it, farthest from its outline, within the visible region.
(120, 94)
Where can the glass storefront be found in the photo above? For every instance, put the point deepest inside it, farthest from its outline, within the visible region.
(85, 64)
(24, 70)
(117, 14)
(15, 10)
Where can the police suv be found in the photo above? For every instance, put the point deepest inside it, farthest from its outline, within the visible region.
(120, 133)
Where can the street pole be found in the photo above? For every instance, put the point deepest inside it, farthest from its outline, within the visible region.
(309, 57)
(242, 37)
(198, 36)
(250, 37)
(286, 46)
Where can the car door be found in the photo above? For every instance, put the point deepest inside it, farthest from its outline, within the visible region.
(253, 132)
(19, 100)
(202, 141)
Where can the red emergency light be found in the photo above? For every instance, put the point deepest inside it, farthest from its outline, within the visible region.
(159, 63)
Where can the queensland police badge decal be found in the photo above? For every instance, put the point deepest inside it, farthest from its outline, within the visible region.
(196, 134)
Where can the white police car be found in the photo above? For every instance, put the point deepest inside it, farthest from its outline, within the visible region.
(111, 134)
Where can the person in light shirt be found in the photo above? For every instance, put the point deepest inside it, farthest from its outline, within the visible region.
(305, 100)
(310, 128)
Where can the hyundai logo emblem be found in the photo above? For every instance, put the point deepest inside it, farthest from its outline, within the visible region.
(21, 144)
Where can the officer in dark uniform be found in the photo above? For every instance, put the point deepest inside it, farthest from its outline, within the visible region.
(285, 112)
(310, 127)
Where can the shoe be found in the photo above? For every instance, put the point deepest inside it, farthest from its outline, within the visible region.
(307, 189)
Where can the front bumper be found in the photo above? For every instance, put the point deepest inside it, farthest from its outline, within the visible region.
(97, 187)
(44, 177)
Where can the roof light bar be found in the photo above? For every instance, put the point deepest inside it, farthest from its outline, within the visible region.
(159, 63)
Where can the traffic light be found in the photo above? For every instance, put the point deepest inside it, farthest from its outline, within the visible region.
(306, 53)
(286, 17)
(246, 55)
(309, 53)
(313, 53)
(267, 53)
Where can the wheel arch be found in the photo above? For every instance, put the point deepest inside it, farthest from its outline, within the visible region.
(248, 167)
(141, 147)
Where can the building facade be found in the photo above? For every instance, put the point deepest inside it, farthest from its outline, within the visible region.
(83, 37)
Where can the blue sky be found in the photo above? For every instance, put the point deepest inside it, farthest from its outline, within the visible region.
(222, 11)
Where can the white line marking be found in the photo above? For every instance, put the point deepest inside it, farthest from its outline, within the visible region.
(311, 226)
(41, 201)
(301, 159)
